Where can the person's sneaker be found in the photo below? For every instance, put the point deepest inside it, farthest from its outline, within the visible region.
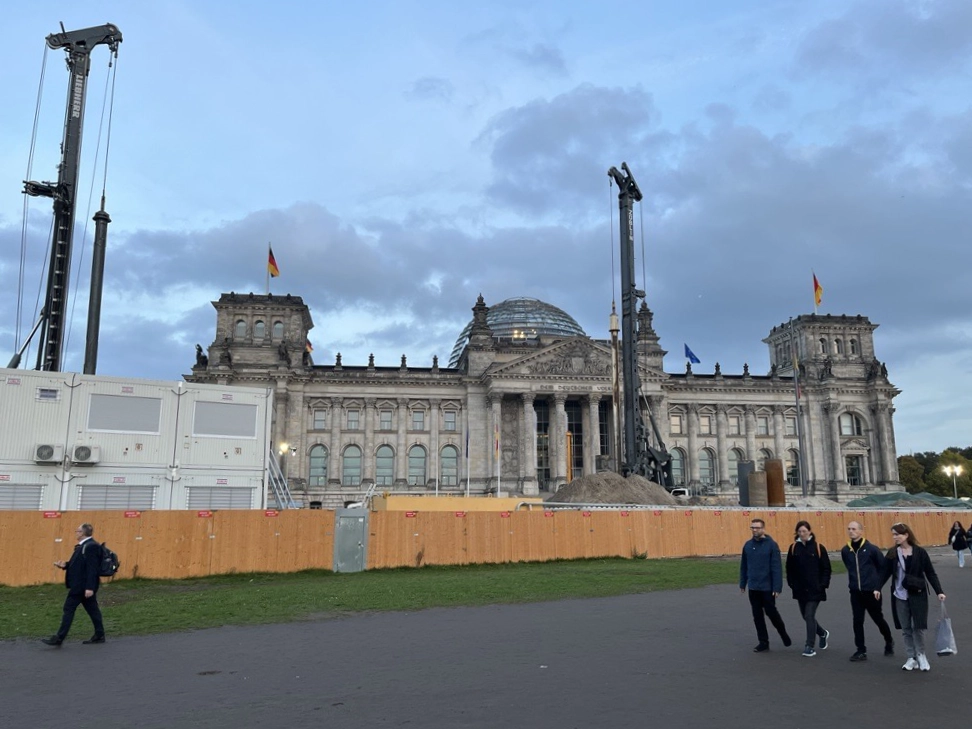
(823, 640)
(923, 662)
(889, 649)
(859, 656)
(910, 665)
(762, 647)
(93, 639)
(809, 652)
(53, 640)
(786, 640)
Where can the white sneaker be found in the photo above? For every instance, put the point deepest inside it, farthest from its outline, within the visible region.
(910, 665)
(923, 662)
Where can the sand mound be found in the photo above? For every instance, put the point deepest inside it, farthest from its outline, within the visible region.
(612, 488)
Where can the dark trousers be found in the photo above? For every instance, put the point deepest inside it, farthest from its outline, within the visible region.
(764, 603)
(808, 609)
(861, 602)
(91, 607)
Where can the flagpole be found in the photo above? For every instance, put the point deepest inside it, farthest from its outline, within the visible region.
(269, 248)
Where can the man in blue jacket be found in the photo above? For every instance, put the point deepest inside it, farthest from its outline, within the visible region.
(762, 571)
(865, 565)
(82, 581)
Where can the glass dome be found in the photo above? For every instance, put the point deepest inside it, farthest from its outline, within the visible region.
(522, 318)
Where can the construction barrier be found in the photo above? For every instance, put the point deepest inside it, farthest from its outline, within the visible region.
(179, 544)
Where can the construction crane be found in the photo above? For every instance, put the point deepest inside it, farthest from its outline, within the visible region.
(78, 44)
(643, 454)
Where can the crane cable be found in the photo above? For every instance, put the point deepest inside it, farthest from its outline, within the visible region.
(107, 100)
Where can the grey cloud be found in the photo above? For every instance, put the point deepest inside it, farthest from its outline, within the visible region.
(542, 57)
(431, 88)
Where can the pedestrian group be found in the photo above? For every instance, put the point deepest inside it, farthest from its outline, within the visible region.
(808, 571)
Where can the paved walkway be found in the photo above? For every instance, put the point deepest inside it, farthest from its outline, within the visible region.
(680, 657)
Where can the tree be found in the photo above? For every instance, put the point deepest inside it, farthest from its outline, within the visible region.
(911, 474)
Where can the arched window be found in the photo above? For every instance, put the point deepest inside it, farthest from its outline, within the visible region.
(823, 345)
(240, 331)
(278, 330)
(449, 466)
(678, 467)
(259, 330)
(850, 424)
(838, 346)
(318, 466)
(706, 467)
(351, 466)
(853, 347)
(735, 455)
(793, 467)
(764, 455)
(384, 466)
(416, 466)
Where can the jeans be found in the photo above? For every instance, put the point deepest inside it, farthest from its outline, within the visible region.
(914, 638)
(808, 609)
(961, 557)
(91, 607)
(861, 602)
(764, 602)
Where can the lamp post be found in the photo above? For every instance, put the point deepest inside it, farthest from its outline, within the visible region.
(953, 471)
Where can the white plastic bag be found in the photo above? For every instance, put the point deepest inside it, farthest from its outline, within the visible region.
(944, 637)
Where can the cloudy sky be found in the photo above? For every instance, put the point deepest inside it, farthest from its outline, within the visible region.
(404, 157)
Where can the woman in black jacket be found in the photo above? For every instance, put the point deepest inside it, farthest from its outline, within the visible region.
(910, 566)
(808, 575)
(959, 541)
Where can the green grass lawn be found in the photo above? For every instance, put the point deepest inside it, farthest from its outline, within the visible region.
(138, 607)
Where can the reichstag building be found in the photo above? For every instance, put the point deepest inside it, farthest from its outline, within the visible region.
(526, 405)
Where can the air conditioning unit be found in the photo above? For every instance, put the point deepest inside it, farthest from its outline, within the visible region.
(48, 453)
(86, 454)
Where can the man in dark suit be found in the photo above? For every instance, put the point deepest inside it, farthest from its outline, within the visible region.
(81, 579)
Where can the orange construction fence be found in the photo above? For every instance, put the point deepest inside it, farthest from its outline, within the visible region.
(178, 544)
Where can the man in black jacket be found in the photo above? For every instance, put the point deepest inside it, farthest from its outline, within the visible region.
(82, 581)
(865, 576)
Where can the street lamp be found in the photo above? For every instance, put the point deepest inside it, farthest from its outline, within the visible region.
(953, 471)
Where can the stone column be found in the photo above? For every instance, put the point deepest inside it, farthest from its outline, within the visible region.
(558, 439)
(832, 416)
(779, 429)
(334, 449)
(750, 421)
(434, 444)
(401, 452)
(495, 403)
(880, 443)
(722, 457)
(368, 450)
(592, 429)
(692, 410)
(889, 450)
(528, 447)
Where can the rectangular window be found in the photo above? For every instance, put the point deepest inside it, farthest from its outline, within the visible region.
(705, 424)
(48, 394)
(125, 414)
(449, 421)
(418, 420)
(735, 426)
(676, 422)
(762, 425)
(320, 419)
(222, 419)
(791, 429)
(352, 420)
(385, 420)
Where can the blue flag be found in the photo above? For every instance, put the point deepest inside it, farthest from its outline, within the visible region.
(690, 356)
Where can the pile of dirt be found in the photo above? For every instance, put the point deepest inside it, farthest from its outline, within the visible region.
(612, 488)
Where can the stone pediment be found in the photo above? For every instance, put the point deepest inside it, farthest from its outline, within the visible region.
(855, 444)
(576, 357)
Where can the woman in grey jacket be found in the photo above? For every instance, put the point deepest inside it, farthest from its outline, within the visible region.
(910, 567)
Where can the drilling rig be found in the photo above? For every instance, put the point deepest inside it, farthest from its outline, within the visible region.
(78, 45)
(644, 454)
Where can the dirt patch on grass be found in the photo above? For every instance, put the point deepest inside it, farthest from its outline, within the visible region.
(612, 488)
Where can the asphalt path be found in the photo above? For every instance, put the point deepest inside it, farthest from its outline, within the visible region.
(682, 658)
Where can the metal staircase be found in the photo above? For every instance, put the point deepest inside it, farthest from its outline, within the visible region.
(279, 490)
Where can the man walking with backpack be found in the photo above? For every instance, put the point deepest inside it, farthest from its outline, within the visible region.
(82, 581)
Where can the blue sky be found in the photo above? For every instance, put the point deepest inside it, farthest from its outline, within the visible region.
(404, 157)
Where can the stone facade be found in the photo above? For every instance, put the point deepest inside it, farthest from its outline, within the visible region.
(526, 414)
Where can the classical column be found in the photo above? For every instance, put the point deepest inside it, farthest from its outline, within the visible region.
(434, 445)
(401, 454)
(528, 446)
(592, 429)
(558, 423)
(722, 429)
(779, 429)
(833, 421)
(334, 449)
(750, 420)
(693, 444)
(368, 451)
(495, 403)
(880, 443)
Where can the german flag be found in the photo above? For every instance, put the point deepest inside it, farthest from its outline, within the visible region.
(272, 265)
(817, 291)
(308, 347)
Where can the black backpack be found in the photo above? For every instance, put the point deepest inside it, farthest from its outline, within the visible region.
(108, 562)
